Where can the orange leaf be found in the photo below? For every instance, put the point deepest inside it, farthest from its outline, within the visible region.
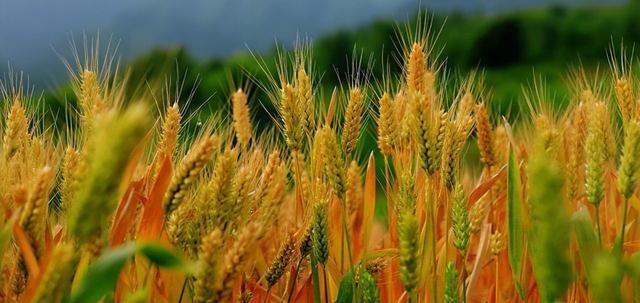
(305, 293)
(153, 215)
(369, 200)
(125, 214)
(484, 187)
(27, 251)
(332, 107)
(132, 164)
(34, 281)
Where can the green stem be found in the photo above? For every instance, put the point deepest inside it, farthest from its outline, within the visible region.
(326, 286)
(464, 277)
(184, 287)
(412, 297)
(315, 280)
(598, 225)
(624, 223)
(346, 231)
(295, 276)
(434, 260)
(425, 235)
(346, 236)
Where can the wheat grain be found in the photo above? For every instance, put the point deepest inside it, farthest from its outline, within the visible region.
(209, 259)
(485, 136)
(241, 117)
(352, 120)
(187, 171)
(98, 191)
(387, 129)
(408, 235)
(34, 214)
(280, 263)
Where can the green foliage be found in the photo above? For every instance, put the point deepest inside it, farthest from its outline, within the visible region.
(369, 288)
(345, 292)
(549, 229)
(515, 221)
(408, 235)
(506, 45)
(586, 238)
(450, 283)
(101, 277)
(605, 278)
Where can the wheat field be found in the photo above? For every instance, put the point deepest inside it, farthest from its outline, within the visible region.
(147, 212)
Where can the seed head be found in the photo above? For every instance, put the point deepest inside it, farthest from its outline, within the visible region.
(596, 155)
(188, 171)
(416, 68)
(280, 263)
(241, 117)
(291, 117)
(320, 233)
(233, 263)
(408, 236)
(485, 135)
(69, 176)
(451, 283)
(370, 291)
(97, 196)
(460, 220)
(334, 162)
(353, 194)
(305, 100)
(387, 128)
(624, 97)
(170, 130)
(629, 162)
(34, 214)
(16, 133)
(217, 200)
(209, 266)
(266, 179)
(352, 120)
(306, 243)
(496, 242)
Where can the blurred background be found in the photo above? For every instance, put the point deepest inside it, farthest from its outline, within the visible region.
(206, 43)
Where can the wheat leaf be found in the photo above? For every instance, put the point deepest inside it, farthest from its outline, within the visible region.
(515, 231)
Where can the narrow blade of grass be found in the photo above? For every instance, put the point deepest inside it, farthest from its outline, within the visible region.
(515, 231)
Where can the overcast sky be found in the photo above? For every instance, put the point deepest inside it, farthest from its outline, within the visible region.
(30, 30)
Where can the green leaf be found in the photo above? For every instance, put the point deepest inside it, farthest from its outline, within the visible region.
(586, 237)
(633, 267)
(315, 279)
(160, 255)
(515, 231)
(101, 277)
(345, 292)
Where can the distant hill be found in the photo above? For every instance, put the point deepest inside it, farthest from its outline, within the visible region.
(31, 30)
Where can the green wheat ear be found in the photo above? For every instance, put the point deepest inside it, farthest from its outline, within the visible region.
(628, 171)
(408, 236)
(460, 220)
(605, 277)
(549, 228)
(115, 138)
(320, 234)
(450, 283)
(370, 291)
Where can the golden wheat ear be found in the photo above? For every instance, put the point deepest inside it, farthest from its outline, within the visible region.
(116, 137)
(188, 169)
(241, 117)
